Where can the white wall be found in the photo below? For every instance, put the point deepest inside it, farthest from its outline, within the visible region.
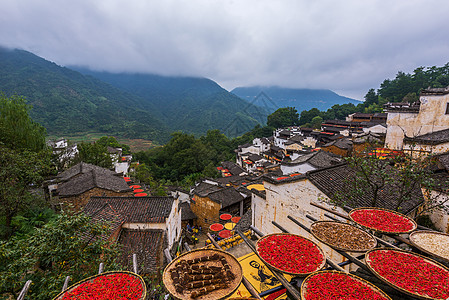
(292, 199)
(300, 168)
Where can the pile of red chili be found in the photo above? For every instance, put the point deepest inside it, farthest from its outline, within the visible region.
(382, 220)
(333, 285)
(411, 272)
(108, 286)
(290, 253)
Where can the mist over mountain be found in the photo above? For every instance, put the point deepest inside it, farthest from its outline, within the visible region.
(273, 97)
(190, 104)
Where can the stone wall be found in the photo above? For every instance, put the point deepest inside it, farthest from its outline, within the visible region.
(79, 201)
(207, 211)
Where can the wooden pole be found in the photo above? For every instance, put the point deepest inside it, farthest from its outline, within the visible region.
(100, 268)
(66, 283)
(290, 288)
(135, 263)
(245, 281)
(24, 290)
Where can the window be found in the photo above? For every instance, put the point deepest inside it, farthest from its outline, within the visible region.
(447, 108)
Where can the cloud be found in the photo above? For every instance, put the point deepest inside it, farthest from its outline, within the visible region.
(347, 46)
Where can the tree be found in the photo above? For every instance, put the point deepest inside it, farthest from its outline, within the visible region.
(112, 142)
(397, 178)
(19, 173)
(370, 97)
(94, 153)
(316, 122)
(284, 116)
(70, 245)
(17, 130)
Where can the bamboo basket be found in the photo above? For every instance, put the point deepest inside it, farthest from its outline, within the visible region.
(384, 209)
(313, 230)
(323, 262)
(236, 269)
(413, 239)
(419, 296)
(361, 280)
(74, 286)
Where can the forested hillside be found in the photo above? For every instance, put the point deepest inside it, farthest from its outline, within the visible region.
(405, 87)
(193, 105)
(67, 102)
(274, 97)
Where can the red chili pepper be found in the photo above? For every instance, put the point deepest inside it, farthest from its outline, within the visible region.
(109, 286)
(382, 220)
(411, 272)
(290, 253)
(330, 285)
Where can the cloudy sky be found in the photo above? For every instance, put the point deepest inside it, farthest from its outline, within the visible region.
(347, 46)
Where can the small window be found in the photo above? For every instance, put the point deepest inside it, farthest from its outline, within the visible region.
(447, 108)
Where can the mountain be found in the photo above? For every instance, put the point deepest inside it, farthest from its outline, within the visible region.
(191, 104)
(66, 102)
(273, 97)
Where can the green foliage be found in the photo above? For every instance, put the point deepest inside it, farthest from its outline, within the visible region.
(68, 245)
(283, 117)
(93, 153)
(112, 142)
(404, 84)
(17, 129)
(316, 122)
(19, 172)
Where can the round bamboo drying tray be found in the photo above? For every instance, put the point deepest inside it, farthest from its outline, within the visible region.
(366, 283)
(387, 210)
(414, 240)
(368, 263)
(322, 264)
(74, 286)
(236, 269)
(370, 239)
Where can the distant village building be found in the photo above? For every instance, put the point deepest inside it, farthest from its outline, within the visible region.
(83, 181)
(407, 122)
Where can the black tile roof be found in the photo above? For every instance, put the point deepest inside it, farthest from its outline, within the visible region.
(226, 197)
(77, 185)
(432, 138)
(335, 183)
(435, 91)
(135, 209)
(342, 143)
(254, 157)
(147, 245)
(444, 160)
(186, 212)
(82, 168)
(107, 215)
(204, 188)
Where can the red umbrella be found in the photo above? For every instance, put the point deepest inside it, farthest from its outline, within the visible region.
(216, 227)
(140, 195)
(235, 219)
(134, 186)
(225, 234)
(225, 217)
(138, 191)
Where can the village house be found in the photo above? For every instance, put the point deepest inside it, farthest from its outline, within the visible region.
(292, 196)
(144, 226)
(311, 161)
(83, 181)
(415, 120)
(341, 147)
(210, 200)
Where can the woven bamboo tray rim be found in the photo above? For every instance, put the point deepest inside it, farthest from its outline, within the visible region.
(75, 285)
(323, 262)
(236, 268)
(415, 226)
(342, 248)
(367, 262)
(415, 244)
(369, 284)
